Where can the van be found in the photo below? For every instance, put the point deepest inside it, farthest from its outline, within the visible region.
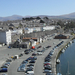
(16, 56)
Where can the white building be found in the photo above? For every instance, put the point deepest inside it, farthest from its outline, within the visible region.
(40, 40)
(5, 37)
(48, 27)
(36, 29)
(32, 43)
(17, 31)
(29, 30)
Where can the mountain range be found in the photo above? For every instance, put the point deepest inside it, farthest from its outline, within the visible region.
(18, 17)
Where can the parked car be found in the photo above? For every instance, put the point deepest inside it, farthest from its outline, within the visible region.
(4, 74)
(47, 64)
(48, 46)
(39, 53)
(34, 54)
(49, 71)
(27, 52)
(3, 69)
(20, 55)
(47, 59)
(39, 47)
(29, 72)
(43, 50)
(9, 60)
(49, 68)
(32, 58)
(21, 68)
(7, 63)
(24, 62)
(49, 74)
(4, 66)
(32, 61)
(30, 65)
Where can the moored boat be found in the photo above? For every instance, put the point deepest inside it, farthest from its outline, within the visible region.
(63, 51)
(59, 74)
(58, 61)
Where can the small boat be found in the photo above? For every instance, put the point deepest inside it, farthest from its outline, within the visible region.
(65, 48)
(59, 74)
(70, 42)
(68, 45)
(58, 61)
(63, 51)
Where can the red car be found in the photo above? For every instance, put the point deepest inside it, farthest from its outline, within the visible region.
(47, 64)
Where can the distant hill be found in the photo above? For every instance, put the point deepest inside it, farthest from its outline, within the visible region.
(18, 17)
(13, 17)
(71, 15)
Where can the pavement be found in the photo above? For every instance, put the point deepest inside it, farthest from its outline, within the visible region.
(38, 69)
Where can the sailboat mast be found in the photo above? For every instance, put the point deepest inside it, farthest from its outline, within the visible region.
(68, 69)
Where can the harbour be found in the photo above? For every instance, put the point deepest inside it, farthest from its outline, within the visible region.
(67, 60)
(57, 53)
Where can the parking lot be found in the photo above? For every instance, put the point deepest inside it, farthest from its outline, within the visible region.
(38, 68)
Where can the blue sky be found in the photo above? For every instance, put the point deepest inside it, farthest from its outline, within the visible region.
(36, 7)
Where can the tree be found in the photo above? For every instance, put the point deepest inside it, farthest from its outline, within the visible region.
(20, 25)
(41, 21)
(38, 18)
(46, 18)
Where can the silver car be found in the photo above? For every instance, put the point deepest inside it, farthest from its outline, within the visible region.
(47, 71)
(21, 68)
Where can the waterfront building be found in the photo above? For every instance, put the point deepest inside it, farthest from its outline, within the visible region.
(60, 36)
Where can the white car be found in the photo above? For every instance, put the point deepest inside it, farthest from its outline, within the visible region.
(39, 53)
(29, 73)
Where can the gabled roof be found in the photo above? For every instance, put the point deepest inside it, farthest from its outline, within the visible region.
(11, 25)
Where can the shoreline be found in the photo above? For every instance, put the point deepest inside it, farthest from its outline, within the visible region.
(57, 52)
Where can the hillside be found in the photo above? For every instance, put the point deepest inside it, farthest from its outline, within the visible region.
(18, 17)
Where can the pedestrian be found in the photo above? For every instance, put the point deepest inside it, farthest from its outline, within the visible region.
(8, 54)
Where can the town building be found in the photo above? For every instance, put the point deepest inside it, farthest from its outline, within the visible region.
(16, 31)
(5, 37)
(36, 29)
(61, 36)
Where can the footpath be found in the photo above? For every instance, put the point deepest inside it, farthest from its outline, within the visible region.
(56, 53)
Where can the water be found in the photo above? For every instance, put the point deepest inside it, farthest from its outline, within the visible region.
(67, 61)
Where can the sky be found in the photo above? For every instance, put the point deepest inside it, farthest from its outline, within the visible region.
(36, 7)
